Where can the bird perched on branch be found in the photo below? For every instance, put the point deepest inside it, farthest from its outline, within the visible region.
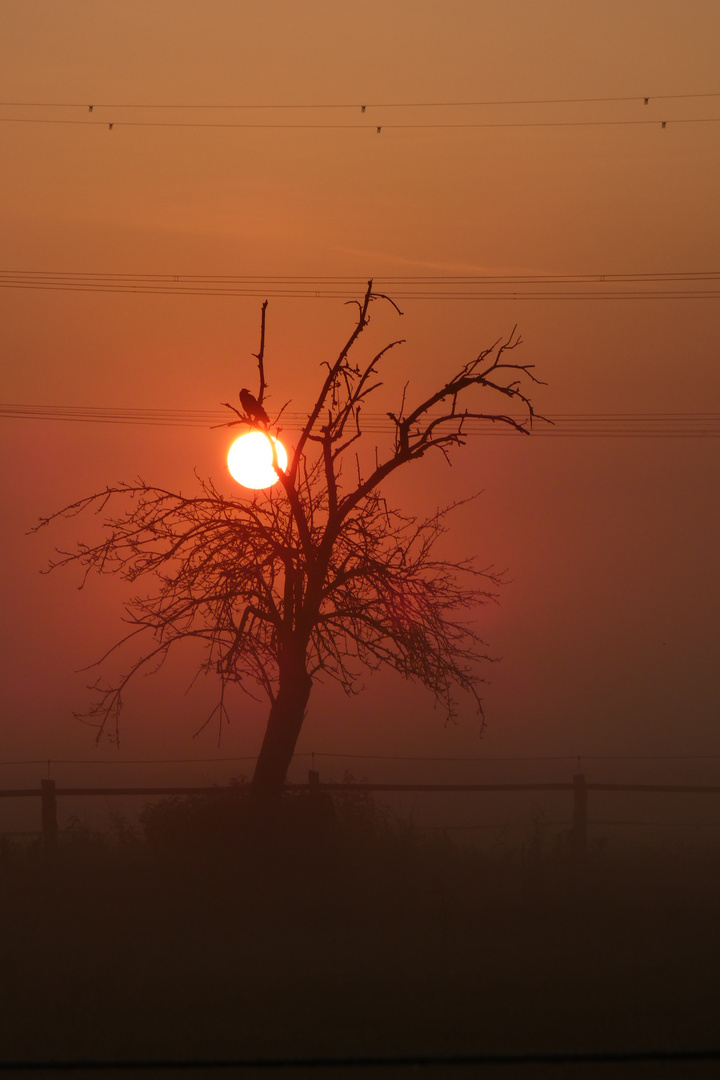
(252, 407)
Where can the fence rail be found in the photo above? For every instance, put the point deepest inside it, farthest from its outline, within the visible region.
(48, 793)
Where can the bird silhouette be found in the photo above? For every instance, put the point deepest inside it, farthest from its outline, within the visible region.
(253, 408)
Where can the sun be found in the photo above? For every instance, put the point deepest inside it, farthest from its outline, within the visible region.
(250, 460)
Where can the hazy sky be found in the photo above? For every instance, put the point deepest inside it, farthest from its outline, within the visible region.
(609, 630)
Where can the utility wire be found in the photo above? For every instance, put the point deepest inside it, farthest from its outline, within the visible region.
(328, 294)
(308, 280)
(139, 761)
(377, 129)
(679, 285)
(372, 757)
(579, 759)
(358, 279)
(605, 425)
(357, 105)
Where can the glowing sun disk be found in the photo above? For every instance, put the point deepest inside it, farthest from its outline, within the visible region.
(250, 460)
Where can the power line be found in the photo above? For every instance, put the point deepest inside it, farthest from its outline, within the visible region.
(358, 279)
(641, 98)
(139, 761)
(327, 294)
(370, 757)
(679, 285)
(316, 294)
(377, 129)
(534, 757)
(605, 425)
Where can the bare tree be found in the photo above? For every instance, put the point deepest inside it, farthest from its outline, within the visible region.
(317, 575)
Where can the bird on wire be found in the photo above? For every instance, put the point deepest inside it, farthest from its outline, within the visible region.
(252, 407)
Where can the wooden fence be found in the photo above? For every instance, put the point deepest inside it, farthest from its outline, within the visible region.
(48, 793)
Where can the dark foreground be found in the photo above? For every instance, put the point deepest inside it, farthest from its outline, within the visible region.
(354, 942)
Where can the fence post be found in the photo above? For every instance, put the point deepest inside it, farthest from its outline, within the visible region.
(49, 815)
(579, 820)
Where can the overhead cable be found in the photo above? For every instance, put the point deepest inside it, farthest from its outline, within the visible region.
(638, 98)
(464, 759)
(576, 425)
(356, 279)
(372, 127)
(348, 279)
(683, 285)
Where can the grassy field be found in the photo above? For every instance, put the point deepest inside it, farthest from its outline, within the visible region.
(197, 939)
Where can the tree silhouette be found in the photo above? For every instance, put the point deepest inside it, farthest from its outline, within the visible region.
(316, 576)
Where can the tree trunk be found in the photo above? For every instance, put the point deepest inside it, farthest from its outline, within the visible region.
(284, 723)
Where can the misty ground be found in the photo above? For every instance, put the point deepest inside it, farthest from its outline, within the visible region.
(358, 938)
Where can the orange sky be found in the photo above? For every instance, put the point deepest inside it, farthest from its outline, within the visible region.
(609, 630)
